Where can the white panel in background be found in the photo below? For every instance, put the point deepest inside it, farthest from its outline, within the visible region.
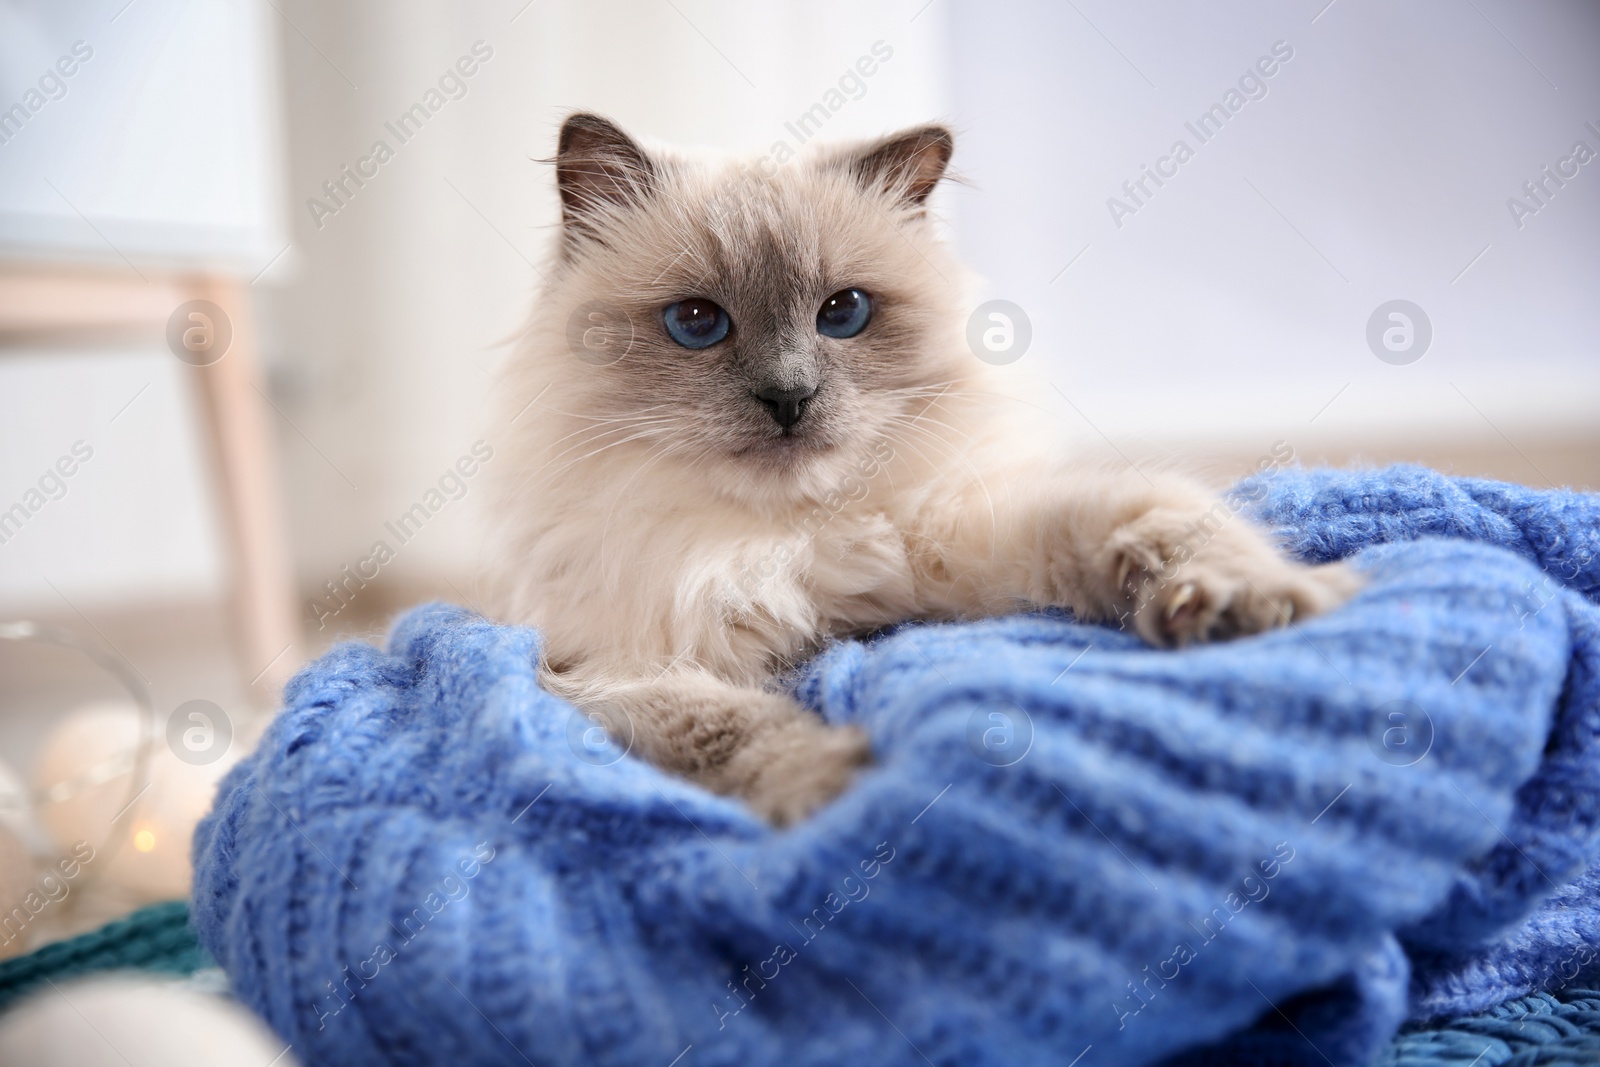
(1376, 163)
(162, 146)
(133, 523)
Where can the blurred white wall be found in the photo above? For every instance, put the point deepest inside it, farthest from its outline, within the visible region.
(1374, 164)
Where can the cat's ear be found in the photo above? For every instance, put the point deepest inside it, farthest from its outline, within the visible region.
(598, 169)
(906, 165)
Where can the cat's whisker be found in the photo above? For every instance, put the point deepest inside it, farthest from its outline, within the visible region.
(551, 475)
(660, 452)
(603, 448)
(923, 421)
(591, 417)
(912, 446)
(597, 432)
(979, 480)
(531, 476)
(905, 424)
(617, 424)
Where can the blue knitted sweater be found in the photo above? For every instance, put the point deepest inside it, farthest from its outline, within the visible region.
(1273, 851)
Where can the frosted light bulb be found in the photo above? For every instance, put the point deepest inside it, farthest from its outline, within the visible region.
(84, 775)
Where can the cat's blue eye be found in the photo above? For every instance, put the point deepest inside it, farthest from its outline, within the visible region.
(695, 322)
(844, 314)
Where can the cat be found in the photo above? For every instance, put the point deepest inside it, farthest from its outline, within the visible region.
(746, 420)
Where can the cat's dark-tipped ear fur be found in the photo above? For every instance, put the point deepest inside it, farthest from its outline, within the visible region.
(598, 168)
(907, 164)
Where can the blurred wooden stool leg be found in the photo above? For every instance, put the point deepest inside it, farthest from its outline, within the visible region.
(266, 625)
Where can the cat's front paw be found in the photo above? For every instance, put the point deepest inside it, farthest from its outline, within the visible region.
(1214, 603)
(1234, 585)
(798, 769)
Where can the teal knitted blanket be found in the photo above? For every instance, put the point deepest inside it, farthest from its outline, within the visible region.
(157, 939)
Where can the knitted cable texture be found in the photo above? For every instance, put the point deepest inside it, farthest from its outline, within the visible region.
(1270, 851)
(1542, 1030)
(156, 938)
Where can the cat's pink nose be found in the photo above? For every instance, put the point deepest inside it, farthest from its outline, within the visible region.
(786, 406)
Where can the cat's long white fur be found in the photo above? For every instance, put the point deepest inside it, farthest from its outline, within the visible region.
(673, 577)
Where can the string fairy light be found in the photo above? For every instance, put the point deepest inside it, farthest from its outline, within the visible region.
(134, 762)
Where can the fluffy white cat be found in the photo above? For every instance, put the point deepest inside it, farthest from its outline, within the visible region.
(746, 420)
